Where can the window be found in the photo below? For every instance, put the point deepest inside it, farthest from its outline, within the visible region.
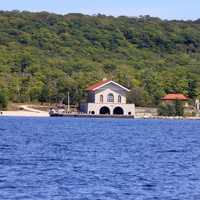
(101, 98)
(119, 99)
(110, 98)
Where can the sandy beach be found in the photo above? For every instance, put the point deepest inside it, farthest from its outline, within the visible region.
(25, 114)
(25, 111)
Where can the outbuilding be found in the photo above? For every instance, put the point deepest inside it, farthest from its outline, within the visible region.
(172, 97)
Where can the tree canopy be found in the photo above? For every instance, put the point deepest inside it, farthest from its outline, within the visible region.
(43, 55)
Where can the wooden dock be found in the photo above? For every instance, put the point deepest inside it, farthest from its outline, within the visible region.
(90, 116)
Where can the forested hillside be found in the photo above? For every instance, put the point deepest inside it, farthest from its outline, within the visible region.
(43, 56)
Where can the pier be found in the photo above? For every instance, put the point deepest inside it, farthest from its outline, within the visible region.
(80, 115)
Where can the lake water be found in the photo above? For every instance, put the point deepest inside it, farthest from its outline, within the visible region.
(99, 159)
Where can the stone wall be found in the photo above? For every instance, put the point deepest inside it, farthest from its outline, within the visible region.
(145, 112)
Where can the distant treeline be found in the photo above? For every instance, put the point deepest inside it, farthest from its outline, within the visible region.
(43, 56)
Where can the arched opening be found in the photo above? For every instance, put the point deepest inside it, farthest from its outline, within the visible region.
(92, 112)
(118, 111)
(101, 98)
(104, 111)
(110, 98)
(119, 99)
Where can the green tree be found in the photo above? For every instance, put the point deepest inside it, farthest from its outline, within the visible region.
(3, 100)
(139, 97)
(171, 109)
(192, 89)
(69, 52)
(166, 110)
(179, 108)
(44, 94)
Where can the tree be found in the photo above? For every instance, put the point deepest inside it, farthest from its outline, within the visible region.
(166, 110)
(44, 94)
(192, 89)
(3, 101)
(171, 109)
(149, 55)
(179, 108)
(139, 97)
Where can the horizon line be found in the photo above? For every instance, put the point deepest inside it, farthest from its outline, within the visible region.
(96, 14)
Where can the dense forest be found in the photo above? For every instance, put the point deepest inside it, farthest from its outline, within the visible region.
(43, 56)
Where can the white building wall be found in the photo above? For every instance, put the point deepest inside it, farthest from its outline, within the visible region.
(105, 94)
(94, 104)
(113, 89)
(129, 109)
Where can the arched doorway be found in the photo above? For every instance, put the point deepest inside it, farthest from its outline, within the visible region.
(118, 111)
(104, 111)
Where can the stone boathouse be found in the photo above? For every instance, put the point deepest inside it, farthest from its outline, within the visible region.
(107, 98)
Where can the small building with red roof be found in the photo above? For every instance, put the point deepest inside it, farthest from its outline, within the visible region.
(107, 97)
(174, 97)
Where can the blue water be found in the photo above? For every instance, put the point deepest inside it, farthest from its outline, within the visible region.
(99, 159)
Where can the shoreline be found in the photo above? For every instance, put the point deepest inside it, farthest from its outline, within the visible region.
(171, 118)
(24, 110)
(46, 114)
(24, 114)
(38, 113)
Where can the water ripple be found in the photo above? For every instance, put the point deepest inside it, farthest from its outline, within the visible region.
(99, 159)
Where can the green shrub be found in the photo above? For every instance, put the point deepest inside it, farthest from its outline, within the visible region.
(166, 110)
(172, 109)
(179, 108)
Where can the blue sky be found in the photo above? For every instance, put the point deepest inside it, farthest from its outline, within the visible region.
(166, 9)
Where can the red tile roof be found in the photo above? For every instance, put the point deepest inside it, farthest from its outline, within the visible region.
(100, 84)
(175, 97)
(97, 85)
